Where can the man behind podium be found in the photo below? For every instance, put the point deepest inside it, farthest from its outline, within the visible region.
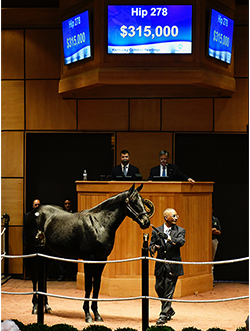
(169, 172)
(125, 168)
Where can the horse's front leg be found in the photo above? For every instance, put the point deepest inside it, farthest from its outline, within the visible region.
(88, 288)
(98, 269)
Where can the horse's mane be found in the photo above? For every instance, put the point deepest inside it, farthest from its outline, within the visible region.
(112, 201)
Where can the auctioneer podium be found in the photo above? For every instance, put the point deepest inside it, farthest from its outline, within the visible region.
(193, 202)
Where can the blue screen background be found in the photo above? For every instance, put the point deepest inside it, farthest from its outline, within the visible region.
(120, 15)
(216, 48)
(72, 30)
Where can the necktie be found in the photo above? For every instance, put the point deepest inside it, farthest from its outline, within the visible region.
(125, 171)
(164, 172)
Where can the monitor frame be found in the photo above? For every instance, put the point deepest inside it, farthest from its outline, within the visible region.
(210, 28)
(90, 29)
(152, 53)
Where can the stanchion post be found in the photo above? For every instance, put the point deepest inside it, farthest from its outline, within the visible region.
(41, 283)
(145, 287)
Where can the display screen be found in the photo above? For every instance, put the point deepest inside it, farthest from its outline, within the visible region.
(150, 29)
(76, 38)
(220, 36)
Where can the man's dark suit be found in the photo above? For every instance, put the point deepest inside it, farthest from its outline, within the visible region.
(117, 171)
(167, 274)
(173, 173)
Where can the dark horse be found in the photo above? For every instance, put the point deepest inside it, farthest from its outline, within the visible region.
(87, 235)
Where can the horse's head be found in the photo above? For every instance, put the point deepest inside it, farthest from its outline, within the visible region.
(135, 207)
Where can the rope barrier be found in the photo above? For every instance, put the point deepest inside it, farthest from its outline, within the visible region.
(119, 261)
(127, 299)
(125, 260)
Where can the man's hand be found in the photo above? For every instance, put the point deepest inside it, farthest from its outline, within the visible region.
(162, 235)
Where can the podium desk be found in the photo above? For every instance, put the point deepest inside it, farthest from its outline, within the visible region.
(193, 202)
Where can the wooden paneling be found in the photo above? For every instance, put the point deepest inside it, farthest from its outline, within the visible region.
(241, 51)
(16, 248)
(12, 199)
(103, 115)
(46, 110)
(42, 53)
(232, 114)
(144, 148)
(145, 114)
(12, 53)
(187, 114)
(194, 205)
(12, 105)
(31, 18)
(12, 154)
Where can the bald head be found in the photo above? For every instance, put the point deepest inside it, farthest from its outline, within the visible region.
(170, 216)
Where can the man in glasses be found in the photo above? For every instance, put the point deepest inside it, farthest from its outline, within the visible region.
(167, 171)
(166, 240)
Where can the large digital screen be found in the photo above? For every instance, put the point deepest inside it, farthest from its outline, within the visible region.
(220, 36)
(150, 29)
(76, 38)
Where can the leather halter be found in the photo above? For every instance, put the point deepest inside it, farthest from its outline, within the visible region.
(131, 209)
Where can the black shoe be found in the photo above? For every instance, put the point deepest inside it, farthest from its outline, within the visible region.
(170, 313)
(161, 320)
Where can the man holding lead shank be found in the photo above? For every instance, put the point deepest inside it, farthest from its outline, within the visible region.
(167, 240)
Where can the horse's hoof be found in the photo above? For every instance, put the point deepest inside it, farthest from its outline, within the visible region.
(98, 318)
(88, 318)
(35, 309)
(48, 310)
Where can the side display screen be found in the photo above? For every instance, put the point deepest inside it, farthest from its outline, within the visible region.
(76, 38)
(220, 37)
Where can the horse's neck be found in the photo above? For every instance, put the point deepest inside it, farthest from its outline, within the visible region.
(110, 213)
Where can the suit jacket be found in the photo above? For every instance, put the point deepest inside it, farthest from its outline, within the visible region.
(173, 173)
(169, 250)
(117, 171)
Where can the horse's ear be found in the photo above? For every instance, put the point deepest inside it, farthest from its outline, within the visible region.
(131, 189)
(140, 187)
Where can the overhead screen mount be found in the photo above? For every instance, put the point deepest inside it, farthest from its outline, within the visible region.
(220, 40)
(150, 29)
(76, 38)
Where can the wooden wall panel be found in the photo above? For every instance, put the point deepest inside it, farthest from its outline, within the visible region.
(145, 114)
(187, 114)
(12, 199)
(46, 110)
(144, 148)
(241, 51)
(232, 114)
(16, 248)
(12, 154)
(194, 205)
(43, 53)
(12, 53)
(12, 105)
(103, 115)
(195, 211)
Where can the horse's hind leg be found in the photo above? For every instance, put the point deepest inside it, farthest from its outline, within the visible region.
(98, 269)
(88, 288)
(47, 307)
(34, 298)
